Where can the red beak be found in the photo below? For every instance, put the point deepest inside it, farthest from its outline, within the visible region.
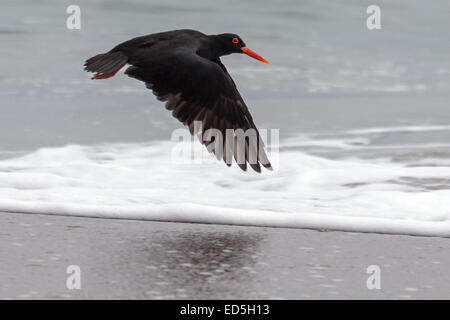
(253, 54)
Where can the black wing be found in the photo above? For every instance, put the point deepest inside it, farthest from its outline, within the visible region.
(197, 89)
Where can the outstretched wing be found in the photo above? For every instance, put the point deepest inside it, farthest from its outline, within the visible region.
(197, 89)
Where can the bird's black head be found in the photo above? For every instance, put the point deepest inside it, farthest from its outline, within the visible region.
(228, 43)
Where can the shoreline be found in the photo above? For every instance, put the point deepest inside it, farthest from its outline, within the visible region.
(251, 218)
(130, 259)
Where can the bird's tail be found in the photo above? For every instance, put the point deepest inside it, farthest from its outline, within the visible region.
(105, 65)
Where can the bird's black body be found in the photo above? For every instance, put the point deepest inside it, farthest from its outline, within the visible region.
(183, 68)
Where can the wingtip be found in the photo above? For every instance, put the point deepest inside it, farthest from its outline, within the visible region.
(243, 166)
(256, 167)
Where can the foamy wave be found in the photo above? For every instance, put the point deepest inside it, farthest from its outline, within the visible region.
(399, 129)
(308, 141)
(138, 181)
(362, 139)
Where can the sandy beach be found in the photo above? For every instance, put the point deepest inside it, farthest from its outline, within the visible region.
(126, 259)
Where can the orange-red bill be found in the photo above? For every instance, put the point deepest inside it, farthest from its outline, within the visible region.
(253, 54)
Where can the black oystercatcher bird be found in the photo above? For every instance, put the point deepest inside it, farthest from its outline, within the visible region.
(183, 68)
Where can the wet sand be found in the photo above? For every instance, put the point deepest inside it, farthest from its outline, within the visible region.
(125, 259)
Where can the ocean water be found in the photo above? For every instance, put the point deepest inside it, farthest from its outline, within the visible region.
(363, 116)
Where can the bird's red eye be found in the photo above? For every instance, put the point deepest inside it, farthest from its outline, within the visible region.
(235, 40)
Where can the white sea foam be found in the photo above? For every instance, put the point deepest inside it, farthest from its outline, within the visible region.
(399, 129)
(307, 141)
(138, 181)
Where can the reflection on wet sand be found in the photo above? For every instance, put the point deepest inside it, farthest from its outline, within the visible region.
(208, 264)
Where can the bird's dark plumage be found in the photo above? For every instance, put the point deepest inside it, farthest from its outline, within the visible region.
(183, 68)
